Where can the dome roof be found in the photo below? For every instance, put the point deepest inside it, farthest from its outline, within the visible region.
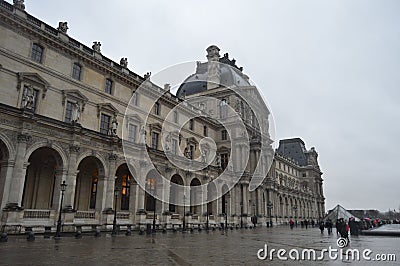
(230, 75)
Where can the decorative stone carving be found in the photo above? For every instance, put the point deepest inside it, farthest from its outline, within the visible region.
(218, 161)
(147, 75)
(96, 47)
(204, 154)
(23, 138)
(74, 148)
(124, 62)
(19, 4)
(76, 113)
(114, 126)
(213, 71)
(143, 133)
(63, 27)
(28, 100)
(112, 157)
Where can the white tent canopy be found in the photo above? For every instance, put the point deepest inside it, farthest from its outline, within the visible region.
(339, 212)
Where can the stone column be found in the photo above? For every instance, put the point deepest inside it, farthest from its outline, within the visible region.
(6, 177)
(71, 177)
(141, 195)
(109, 183)
(133, 198)
(260, 205)
(245, 192)
(18, 179)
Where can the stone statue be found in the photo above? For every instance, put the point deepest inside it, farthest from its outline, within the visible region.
(76, 113)
(204, 156)
(218, 161)
(124, 62)
(143, 133)
(96, 47)
(187, 153)
(29, 98)
(63, 27)
(114, 126)
(147, 75)
(19, 4)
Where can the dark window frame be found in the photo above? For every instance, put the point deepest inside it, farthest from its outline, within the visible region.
(109, 86)
(37, 53)
(77, 71)
(103, 128)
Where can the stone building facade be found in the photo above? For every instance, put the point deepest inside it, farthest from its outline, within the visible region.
(62, 107)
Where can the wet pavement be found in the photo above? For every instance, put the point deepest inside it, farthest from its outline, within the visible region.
(237, 247)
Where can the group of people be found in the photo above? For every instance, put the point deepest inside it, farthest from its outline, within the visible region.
(303, 223)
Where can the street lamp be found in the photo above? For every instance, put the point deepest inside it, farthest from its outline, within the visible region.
(269, 206)
(207, 217)
(241, 214)
(226, 215)
(184, 212)
(63, 188)
(114, 230)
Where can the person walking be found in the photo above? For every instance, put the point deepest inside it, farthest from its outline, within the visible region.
(321, 226)
(306, 224)
(328, 226)
(291, 223)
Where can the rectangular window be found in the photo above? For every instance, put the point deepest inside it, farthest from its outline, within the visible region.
(154, 140)
(205, 131)
(223, 108)
(175, 117)
(105, 123)
(37, 53)
(174, 146)
(132, 133)
(191, 124)
(224, 160)
(76, 71)
(157, 109)
(134, 99)
(109, 85)
(191, 152)
(224, 135)
(68, 112)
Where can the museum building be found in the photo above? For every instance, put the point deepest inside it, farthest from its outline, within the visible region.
(62, 118)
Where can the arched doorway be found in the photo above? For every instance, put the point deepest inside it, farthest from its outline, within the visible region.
(195, 193)
(4, 157)
(154, 186)
(40, 179)
(87, 184)
(123, 183)
(175, 193)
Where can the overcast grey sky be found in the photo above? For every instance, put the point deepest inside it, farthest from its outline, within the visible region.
(329, 69)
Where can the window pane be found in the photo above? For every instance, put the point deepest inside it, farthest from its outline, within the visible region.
(157, 109)
(37, 53)
(68, 112)
(224, 135)
(109, 84)
(105, 123)
(174, 146)
(132, 133)
(154, 140)
(76, 71)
